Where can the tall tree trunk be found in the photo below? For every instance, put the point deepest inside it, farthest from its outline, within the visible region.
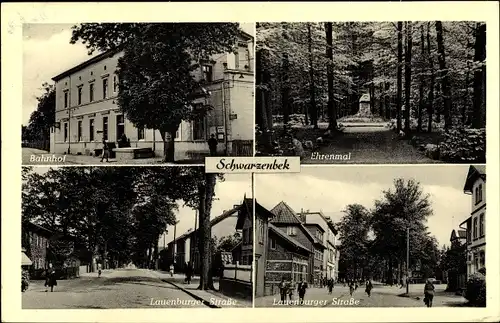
(262, 102)
(381, 101)
(444, 76)
(399, 92)
(202, 214)
(430, 104)
(285, 87)
(210, 180)
(479, 77)
(409, 44)
(312, 89)
(332, 114)
(388, 110)
(421, 85)
(168, 145)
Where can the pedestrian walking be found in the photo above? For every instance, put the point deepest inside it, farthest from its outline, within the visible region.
(351, 287)
(301, 290)
(212, 145)
(330, 286)
(401, 283)
(428, 293)
(172, 270)
(189, 273)
(290, 290)
(283, 289)
(105, 151)
(50, 278)
(368, 288)
(99, 270)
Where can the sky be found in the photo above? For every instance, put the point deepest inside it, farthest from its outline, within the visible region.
(330, 189)
(47, 52)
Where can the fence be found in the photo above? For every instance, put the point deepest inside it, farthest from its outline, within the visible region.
(238, 272)
(41, 144)
(242, 147)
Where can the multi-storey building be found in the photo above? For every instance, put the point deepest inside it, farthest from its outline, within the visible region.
(287, 220)
(329, 238)
(36, 242)
(87, 110)
(475, 185)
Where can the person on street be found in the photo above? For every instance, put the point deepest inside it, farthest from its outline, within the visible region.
(351, 287)
(368, 288)
(50, 278)
(290, 290)
(189, 273)
(105, 151)
(283, 289)
(212, 145)
(401, 283)
(172, 270)
(99, 269)
(330, 286)
(301, 290)
(428, 293)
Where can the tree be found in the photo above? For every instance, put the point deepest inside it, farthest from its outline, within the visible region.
(332, 113)
(478, 118)
(404, 207)
(421, 80)
(157, 85)
(285, 86)
(430, 103)
(399, 76)
(43, 118)
(312, 90)
(353, 234)
(408, 49)
(444, 76)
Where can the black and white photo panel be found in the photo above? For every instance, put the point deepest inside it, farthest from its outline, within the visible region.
(385, 92)
(168, 93)
(355, 236)
(136, 237)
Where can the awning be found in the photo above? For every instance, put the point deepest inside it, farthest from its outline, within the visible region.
(25, 260)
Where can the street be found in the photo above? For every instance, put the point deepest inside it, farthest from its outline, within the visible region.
(123, 288)
(381, 296)
(373, 144)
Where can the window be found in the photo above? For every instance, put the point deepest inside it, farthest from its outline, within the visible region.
(474, 232)
(105, 128)
(105, 88)
(79, 130)
(91, 129)
(273, 243)
(65, 131)
(140, 133)
(481, 225)
(115, 84)
(120, 126)
(66, 99)
(80, 89)
(91, 92)
(291, 231)
(199, 129)
(482, 260)
(261, 232)
(207, 73)
(480, 193)
(476, 261)
(237, 60)
(469, 234)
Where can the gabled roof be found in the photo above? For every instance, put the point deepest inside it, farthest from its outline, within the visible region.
(475, 172)
(245, 210)
(287, 238)
(328, 220)
(314, 225)
(262, 211)
(284, 214)
(461, 234)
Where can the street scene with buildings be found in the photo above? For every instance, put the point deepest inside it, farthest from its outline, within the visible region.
(135, 237)
(364, 92)
(394, 237)
(85, 109)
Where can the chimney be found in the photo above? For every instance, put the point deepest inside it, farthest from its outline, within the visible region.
(302, 216)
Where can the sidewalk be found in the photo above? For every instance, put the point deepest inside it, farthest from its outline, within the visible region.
(312, 294)
(209, 297)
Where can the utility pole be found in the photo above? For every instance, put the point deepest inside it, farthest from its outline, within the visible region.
(175, 243)
(407, 260)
